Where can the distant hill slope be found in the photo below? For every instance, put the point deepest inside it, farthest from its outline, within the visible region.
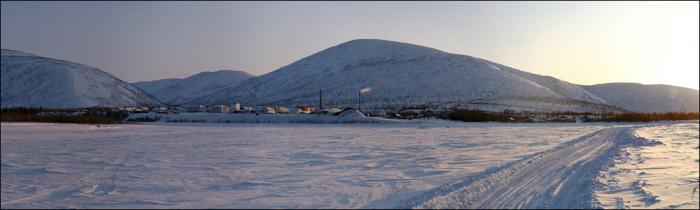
(647, 98)
(179, 91)
(30, 80)
(404, 75)
(154, 86)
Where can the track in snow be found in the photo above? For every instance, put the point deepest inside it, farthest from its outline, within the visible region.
(96, 184)
(561, 177)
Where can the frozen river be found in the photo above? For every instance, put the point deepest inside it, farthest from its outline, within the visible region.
(257, 165)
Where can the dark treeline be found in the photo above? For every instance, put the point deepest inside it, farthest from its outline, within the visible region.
(49, 115)
(647, 117)
(481, 116)
(509, 116)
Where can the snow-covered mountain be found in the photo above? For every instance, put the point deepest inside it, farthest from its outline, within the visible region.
(30, 80)
(178, 91)
(647, 98)
(404, 75)
(154, 86)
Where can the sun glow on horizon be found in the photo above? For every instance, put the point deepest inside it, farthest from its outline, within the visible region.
(649, 43)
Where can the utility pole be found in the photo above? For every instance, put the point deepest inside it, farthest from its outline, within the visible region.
(359, 101)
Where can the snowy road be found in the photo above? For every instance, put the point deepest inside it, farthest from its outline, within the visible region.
(560, 177)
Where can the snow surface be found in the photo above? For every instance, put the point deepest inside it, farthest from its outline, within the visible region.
(648, 98)
(179, 91)
(29, 80)
(402, 74)
(661, 175)
(560, 177)
(265, 166)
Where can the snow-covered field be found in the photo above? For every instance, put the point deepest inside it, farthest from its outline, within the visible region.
(424, 164)
(659, 175)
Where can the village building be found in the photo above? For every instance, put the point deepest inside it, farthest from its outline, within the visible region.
(333, 110)
(195, 108)
(282, 110)
(236, 107)
(162, 110)
(269, 110)
(305, 109)
(219, 109)
(247, 109)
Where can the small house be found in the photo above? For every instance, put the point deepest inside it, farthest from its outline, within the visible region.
(162, 110)
(195, 108)
(333, 110)
(282, 110)
(305, 109)
(219, 109)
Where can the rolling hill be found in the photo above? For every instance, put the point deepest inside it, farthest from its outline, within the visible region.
(402, 75)
(178, 91)
(31, 81)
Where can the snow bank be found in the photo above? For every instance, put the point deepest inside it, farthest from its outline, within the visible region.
(660, 175)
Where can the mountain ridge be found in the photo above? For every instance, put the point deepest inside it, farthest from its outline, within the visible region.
(31, 80)
(179, 90)
(648, 98)
(392, 68)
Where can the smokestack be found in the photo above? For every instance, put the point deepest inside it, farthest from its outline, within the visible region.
(320, 100)
(359, 97)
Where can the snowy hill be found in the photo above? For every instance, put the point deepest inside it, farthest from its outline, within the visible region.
(29, 80)
(647, 98)
(154, 86)
(404, 75)
(178, 91)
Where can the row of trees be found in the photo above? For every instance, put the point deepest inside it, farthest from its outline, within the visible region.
(483, 116)
(647, 117)
(83, 116)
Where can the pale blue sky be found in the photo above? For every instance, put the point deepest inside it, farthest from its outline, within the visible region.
(581, 42)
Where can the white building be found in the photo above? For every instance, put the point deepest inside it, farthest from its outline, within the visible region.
(236, 107)
(196, 108)
(219, 109)
(269, 110)
(333, 110)
(161, 110)
(282, 110)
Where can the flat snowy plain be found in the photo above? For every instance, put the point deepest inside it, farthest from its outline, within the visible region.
(424, 164)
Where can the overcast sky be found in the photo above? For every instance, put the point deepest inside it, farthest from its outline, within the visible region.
(580, 42)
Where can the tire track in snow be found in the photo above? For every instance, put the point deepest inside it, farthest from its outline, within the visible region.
(98, 183)
(561, 177)
(103, 184)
